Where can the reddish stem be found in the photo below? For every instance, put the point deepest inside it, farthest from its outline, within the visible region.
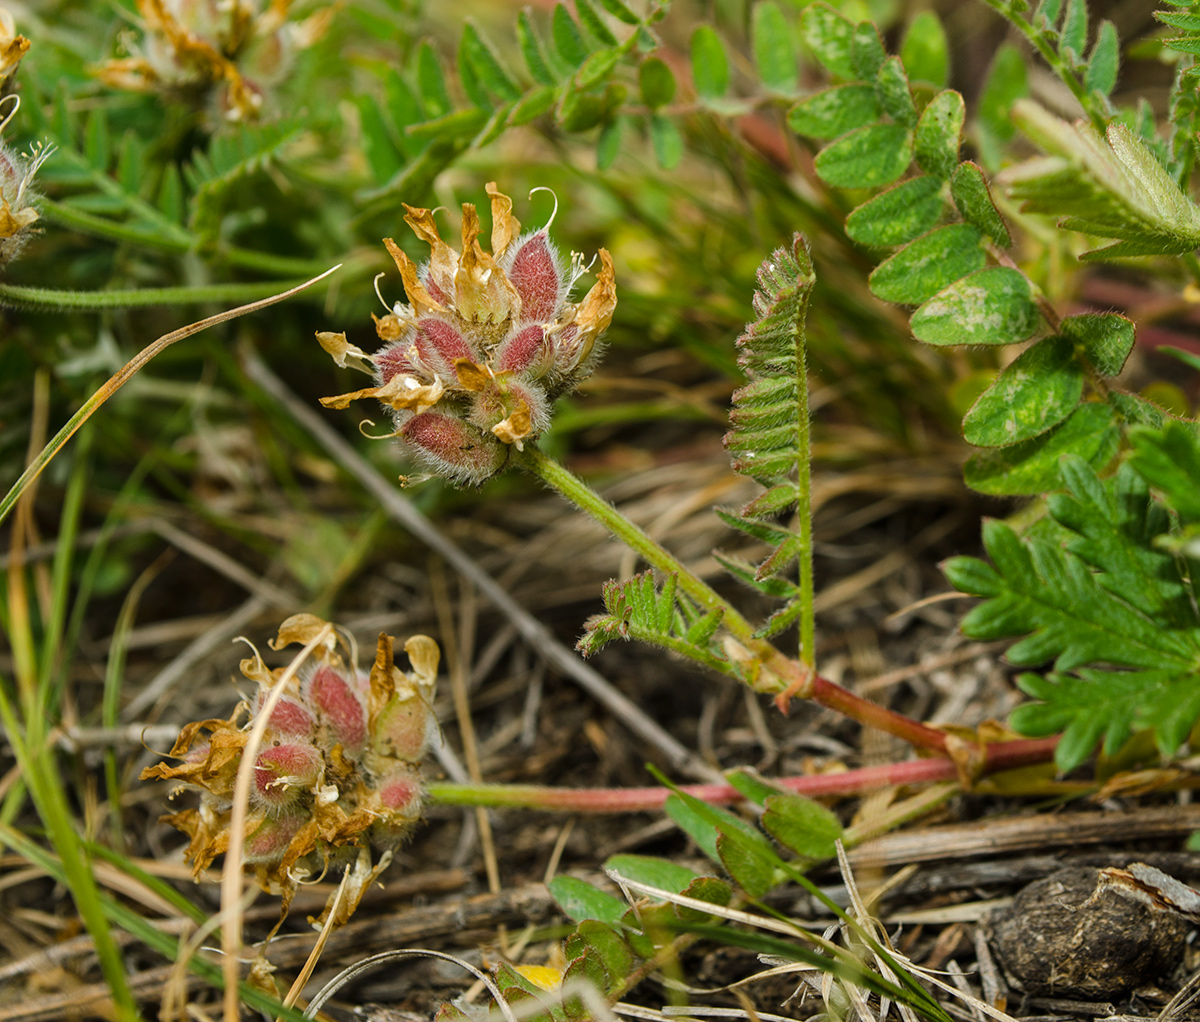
(996, 757)
(834, 697)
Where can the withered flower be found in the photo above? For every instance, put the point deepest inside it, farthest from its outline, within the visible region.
(337, 772)
(17, 195)
(12, 47)
(230, 52)
(471, 366)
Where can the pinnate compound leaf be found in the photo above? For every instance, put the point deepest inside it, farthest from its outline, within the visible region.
(969, 189)
(1031, 467)
(937, 135)
(1038, 590)
(990, 306)
(1106, 338)
(1112, 187)
(769, 352)
(804, 826)
(1036, 392)
(869, 157)
(895, 97)
(898, 215)
(1169, 460)
(771, 37)
(710, 66)
(925, 51)
(1092, 704)
(834, 111)
(828, 35)
(922, 268)
(1115, 524)
(580, 901)
(1104, 61)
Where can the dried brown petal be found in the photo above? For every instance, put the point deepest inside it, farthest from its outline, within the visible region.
(505, 226)
(420, 299)
(339, 348)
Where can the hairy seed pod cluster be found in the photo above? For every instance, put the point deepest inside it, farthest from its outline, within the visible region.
(212, 50)
(337, 770)
(471, 366)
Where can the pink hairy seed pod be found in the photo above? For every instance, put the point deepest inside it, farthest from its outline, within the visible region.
(438, 344)
(393, 360)
(270, 839)
(526, 351)
(536, 272)
(283, 772)
(404, 729)
(453, 448)
(338, 708)
(288, 717)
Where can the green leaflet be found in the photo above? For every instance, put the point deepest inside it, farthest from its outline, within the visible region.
(710, 66)
(921, 269)
(569, 43)
(1031, 467)
(893, 93)
(1104, 61)
(1169, 460)
(771, 37)
(828, 35)
(835, 111)
(925, 51)
(652, 871)
(533, 50)
(1106, 339)
(1074, 31)
(1034, 393)
(990, 306)
(1006, 83)
(867, 158)
(898, 215)
(666, 140)
(938, 132)
(804, 826)
(1048, 595)
(969, 189)
(656, 82)
(579, 900)
(866, 51)
(482, 57)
